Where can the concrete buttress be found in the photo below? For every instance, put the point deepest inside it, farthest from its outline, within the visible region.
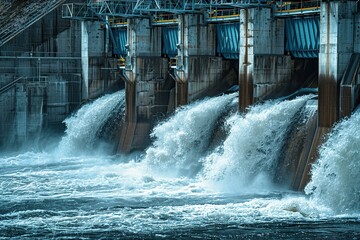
(263, 69)
(199, 72)
(336, 47)
(146, 76)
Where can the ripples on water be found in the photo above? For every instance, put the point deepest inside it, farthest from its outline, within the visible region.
(100, 197)
(54, 196)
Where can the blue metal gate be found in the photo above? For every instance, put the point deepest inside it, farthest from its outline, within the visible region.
(227, 38)
(120, 37)
(303, 37)
(169, 41)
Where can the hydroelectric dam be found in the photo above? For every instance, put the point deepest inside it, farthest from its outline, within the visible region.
(165, 119)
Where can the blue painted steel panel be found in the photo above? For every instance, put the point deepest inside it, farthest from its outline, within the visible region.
(228, 38)
(169, 41)
(303, 37)
(120, 37)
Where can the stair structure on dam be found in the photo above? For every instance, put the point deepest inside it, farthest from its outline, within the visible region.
(168, 53)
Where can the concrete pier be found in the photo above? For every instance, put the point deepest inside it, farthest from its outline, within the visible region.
(337, 44)
(336, 48)
(263, 68)
(199, 72)
(146, 77)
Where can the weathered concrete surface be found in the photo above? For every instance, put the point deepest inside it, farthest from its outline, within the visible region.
(45, 57)
(349, 99)
(350, 87)
(147, 97)
(202, 76)
(272, 76)
(151, 91)
(304, 172)
(259, 35)
(336, 47)
(50, 52)
(296, 149)
(198, 72)
(147, 84)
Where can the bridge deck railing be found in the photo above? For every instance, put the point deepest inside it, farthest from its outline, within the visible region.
(301, 7)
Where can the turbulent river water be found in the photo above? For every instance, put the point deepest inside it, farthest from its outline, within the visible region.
(185, 185)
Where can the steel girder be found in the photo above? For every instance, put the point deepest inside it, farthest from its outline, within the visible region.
(146, 8)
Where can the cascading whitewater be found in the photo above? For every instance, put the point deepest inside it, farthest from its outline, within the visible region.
(335, 179)
(248, 156)
(83, 126)
(45, 196)
(181, 140)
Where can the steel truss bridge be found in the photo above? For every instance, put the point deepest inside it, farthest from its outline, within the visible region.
(165, 11)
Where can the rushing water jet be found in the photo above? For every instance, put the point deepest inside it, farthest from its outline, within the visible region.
(46, 195)
(83, 128)
(335, 177)
(183, 138)
(249, 154)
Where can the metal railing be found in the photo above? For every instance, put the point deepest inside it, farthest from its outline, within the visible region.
(215, 10)
(10, 85)
(136, 8)
(164, 19)
(118, 22)
(222, 15)
(300, 7)
(37, 54)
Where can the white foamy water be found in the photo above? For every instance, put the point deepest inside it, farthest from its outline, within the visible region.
(50, 196)
(246, 161)
(335, 177)
(181, 140)
(83, 126)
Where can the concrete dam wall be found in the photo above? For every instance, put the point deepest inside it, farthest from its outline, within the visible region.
(56, 56)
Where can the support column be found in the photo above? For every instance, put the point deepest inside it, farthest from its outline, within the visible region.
(198, 72)
(92, 59)
(263, 70)
(246, 59)
(21, 106)
(84, 61)
(145, 75)
(336, 47)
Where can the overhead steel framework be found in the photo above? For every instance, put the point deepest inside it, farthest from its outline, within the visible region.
(214, 10)
(136, 8)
